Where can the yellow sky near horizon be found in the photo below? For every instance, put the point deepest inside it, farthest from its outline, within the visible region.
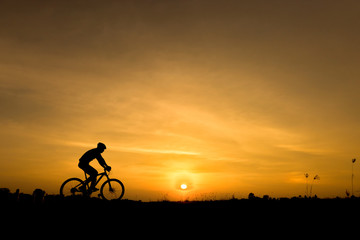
(227, 96)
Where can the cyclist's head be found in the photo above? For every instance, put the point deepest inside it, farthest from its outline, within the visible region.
(101, 146)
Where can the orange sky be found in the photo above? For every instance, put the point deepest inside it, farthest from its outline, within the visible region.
(229, 97)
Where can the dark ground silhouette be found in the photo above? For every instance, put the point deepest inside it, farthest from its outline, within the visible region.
(252, 217)
(251, 208)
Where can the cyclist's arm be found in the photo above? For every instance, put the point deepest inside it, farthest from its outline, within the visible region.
(101, 161)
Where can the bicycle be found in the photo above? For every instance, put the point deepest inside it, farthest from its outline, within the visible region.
(111, 189)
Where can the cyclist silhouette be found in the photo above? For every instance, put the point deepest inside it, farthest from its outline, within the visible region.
(110, 189)
(84, 164)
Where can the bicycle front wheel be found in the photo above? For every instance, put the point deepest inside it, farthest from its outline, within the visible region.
(112, 189)
(71, 187)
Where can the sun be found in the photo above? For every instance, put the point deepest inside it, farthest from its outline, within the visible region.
(183, 186)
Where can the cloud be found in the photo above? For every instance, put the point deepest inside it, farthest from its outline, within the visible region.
(305, 149)
(133, 149)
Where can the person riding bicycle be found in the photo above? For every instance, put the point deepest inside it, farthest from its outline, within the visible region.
(84, 164)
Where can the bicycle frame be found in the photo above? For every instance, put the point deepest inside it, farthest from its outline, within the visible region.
(98, 179)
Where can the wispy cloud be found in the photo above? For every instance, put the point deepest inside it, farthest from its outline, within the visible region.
(134, 149)
(161, 151)
(304, 149)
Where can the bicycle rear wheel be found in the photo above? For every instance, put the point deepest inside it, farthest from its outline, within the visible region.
(71, 187)
(112, 189)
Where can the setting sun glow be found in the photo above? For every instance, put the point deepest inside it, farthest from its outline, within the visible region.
(183, 186)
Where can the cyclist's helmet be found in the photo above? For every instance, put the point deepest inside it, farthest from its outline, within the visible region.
(101, 145)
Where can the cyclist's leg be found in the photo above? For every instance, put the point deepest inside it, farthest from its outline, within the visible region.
(93, 175)
(91, 171)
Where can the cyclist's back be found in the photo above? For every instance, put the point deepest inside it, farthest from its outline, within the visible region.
(90, 155)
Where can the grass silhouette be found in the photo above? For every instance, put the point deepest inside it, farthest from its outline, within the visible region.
(87, 217)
